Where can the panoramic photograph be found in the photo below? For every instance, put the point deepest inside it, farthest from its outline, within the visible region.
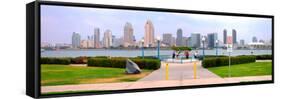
(87, 49)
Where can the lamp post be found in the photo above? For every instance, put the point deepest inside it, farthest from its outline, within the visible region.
(203, 41)
(217, 41)
(158, 47)
(142, 48)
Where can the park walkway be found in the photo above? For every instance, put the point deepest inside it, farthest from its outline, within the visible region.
(180, 71)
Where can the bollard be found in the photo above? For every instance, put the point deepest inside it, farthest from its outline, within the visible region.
(194, 69)
(167, 71)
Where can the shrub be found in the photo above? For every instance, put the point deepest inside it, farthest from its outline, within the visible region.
(79, 60)
(210, 56)
(222, 61)
(152, 64)
(49, 60)
(101, 56)
(264, 57)
(99, 62)
(120, 62)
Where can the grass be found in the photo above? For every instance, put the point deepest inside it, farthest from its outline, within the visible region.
(240, 70)
(52, 75)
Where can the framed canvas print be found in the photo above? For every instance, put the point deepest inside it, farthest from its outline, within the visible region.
(87, 49)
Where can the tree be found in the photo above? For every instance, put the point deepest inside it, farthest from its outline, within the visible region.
(181, 48)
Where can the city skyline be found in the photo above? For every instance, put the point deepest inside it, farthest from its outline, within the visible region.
(189, 23)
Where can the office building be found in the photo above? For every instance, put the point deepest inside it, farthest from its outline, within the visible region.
(179, 37)
(76, 38)
(149, 34)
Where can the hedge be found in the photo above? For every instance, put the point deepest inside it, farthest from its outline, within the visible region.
(223, 61)
(121, 62)
(79, 60)
(47, 60)
(264, 57)
(101, 56)
(210, 56)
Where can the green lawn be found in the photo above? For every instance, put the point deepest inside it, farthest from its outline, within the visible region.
(249, 69)
(66, 75)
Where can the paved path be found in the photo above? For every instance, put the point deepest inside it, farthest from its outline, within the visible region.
(178, 71)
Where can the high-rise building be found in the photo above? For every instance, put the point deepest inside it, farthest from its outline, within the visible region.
(97, 38)
(254, 39)
(107, 39)
(149, 34)
(90, 42)
(211, 41)
(195, 40)
(189, 42)
(117, 42)
(184, 41)
(76, 38)
(128, 35)
(84, 44)
(234, 36)
(179, 37)
(224, 36)
(167, 39)
(242, 42)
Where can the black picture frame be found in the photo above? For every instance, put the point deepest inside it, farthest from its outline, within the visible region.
(33, 46)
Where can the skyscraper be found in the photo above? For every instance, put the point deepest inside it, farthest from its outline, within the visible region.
(76, 39)
(107, 39)
(184, 41)
(254, 39)
(128, 35)
(224, 36)
(242, 42)
(167, 39)
(90, 42)
(97, 37)
(211, 41)
(179, 37)
(234, 36)
(189, 42)
(195, 40)
(149, 34)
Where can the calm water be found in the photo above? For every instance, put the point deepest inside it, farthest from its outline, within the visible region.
(134, 53)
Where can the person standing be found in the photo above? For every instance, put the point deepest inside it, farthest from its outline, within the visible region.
(196, 54)
(178, 53)
(174, 55)
(186, 53)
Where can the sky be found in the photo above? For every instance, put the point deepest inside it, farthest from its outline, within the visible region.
(59, 22)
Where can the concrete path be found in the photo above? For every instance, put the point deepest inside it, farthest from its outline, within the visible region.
(178, 71)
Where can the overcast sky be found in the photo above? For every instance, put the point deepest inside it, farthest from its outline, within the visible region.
(59, 22)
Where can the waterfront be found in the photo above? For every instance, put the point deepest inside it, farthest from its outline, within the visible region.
(134, 53)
